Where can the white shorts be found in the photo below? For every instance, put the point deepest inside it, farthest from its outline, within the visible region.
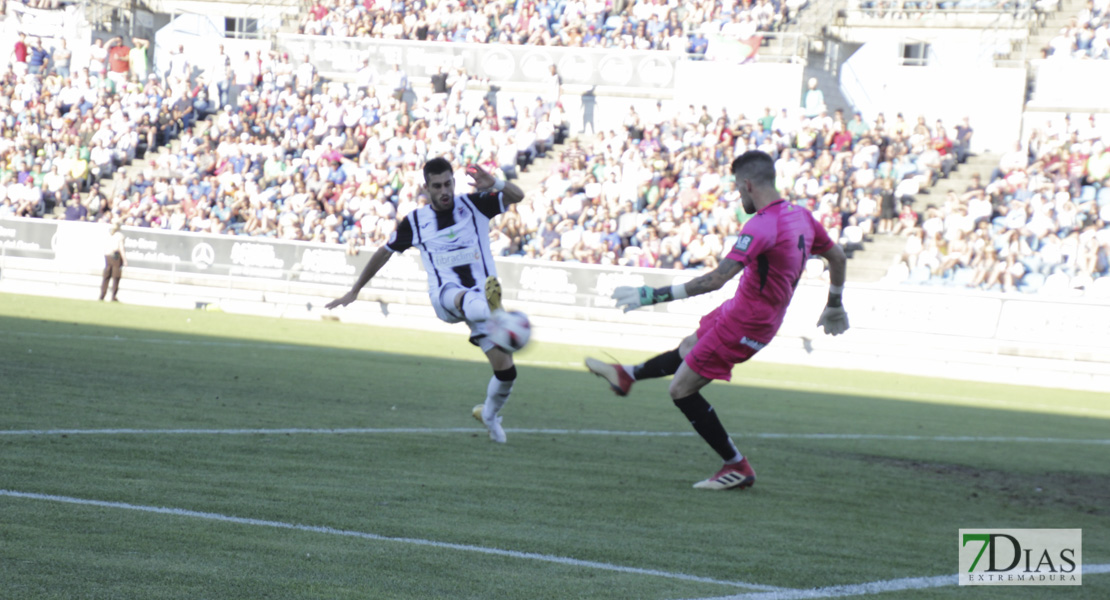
(443, 301)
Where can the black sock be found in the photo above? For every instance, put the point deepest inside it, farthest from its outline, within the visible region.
(705, 422)
(663, 365)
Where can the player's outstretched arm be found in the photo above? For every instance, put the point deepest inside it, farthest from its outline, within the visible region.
(377, 261)
(631, 298)
(834, 319)
(483, 180)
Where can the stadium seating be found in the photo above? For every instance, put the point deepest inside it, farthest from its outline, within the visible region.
(75, 131)
(642, 24)
(651, 193)
(297, 158)
(1086, 36)
(1056, 221)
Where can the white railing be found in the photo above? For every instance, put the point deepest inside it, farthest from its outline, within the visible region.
(910, 12)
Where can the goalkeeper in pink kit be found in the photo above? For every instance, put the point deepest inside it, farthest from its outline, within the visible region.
(772, 251)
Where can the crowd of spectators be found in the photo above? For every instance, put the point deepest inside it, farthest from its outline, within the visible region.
(293, 157)
(639, 24)
(41, 4)
(920, 9)
(64, 127)
(1087, 36)
(658, 193)
(1041, 222)
(299, 159)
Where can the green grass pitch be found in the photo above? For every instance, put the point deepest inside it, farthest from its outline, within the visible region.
(195, 493)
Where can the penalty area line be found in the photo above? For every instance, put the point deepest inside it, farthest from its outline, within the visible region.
(549, 558)
(522, 431)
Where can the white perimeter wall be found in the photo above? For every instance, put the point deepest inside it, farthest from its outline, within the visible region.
(743, 89)
(993, 98)
(1071, 85)
(1004, 338)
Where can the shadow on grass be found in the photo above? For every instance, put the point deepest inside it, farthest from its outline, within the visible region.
(624, 498)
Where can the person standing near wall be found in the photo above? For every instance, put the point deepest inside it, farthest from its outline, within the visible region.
(115, 258)
(61, 58)
(98, 58)
(19, 54)
(38, 62)
(119, 63)
(138, 60)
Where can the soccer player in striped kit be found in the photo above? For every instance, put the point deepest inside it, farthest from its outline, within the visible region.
(452, 234)
(772, 251)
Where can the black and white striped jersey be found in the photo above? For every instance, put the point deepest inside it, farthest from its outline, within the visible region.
(453, 244)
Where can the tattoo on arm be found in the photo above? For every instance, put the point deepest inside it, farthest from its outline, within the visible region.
(715, 279)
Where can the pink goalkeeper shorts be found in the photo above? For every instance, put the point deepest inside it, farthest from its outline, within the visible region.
(713, 356)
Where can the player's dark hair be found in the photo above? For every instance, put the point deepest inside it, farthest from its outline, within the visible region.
(756, 165)
(436, 166)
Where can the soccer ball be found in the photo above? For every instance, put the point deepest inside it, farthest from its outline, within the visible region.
(509, 330)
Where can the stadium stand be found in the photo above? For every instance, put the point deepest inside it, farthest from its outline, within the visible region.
(1038, 224)
(63, 135)
(1082, 34)
(292, 156)
(342, 167)
(642, 24)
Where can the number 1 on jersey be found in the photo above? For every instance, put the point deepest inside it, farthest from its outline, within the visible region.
(805, 256)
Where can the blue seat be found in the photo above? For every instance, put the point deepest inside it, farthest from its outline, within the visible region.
(1031, 283)
(962, 276)
(1100, 288)
(1087, 193)
(919, 275)
(1104, 196)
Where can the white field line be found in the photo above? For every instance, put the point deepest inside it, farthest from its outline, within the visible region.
(741, 380)
(767, 593)
(562, 560)
(873, 587)
(599, 432)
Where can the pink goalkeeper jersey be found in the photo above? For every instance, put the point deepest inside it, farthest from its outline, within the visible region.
(773, 247)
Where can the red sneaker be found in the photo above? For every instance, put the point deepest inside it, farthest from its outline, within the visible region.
(735, 476)
(618, 378)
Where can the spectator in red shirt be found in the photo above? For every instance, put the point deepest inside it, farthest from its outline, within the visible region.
(119, 61)
(941, 142)
(943, 145)
(20, 52)
(842, 139)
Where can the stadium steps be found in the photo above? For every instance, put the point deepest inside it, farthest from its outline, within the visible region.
(881, 251)
(958, 180)
(822, 62)
(814, 18)
(542, 166)
(108, 185)
(871, 264)
(828, 81)
(129, 170)
(1040, 35)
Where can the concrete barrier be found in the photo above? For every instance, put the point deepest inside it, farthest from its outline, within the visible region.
(1013, 338)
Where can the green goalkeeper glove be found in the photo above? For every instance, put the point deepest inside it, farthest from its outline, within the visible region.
(630, 298)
